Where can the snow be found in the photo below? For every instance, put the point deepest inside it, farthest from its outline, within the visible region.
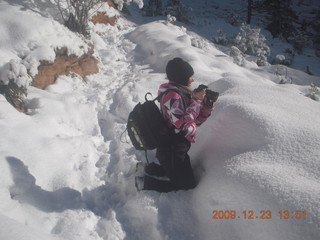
(120, 3)
(68, 173)
(25, 46)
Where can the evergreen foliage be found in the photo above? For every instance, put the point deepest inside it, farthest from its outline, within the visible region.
(286, 19)
(221, 39)
(153, 8)
(281, 17)
(313, 92)
(237, 55)
(250, 41)
(179, 10)
(14, 94)
(173, 8)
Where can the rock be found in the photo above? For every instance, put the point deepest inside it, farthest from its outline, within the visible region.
(100, 17)
(111, 3)
(64, 65)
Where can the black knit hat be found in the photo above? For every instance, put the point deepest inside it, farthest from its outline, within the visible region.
(179, 71)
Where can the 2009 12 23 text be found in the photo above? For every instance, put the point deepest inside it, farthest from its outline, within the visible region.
(258, 214)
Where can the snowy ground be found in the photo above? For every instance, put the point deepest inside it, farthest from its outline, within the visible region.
(67, 173)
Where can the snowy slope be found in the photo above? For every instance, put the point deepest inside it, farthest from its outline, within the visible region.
(24, 46)
(67, 173)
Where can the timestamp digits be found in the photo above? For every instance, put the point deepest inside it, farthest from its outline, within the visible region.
(258, 214)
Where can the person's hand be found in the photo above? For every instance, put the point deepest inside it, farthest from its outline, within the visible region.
(199, 95)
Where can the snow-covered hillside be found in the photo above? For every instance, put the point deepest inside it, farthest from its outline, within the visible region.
(67, 172)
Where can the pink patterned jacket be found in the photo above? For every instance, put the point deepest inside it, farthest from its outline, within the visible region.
(182, 111)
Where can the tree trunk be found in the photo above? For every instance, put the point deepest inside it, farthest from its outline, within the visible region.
(249, 13)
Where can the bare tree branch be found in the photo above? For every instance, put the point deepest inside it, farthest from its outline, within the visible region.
(76, 16)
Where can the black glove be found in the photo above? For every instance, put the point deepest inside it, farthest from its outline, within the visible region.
(211, 96)
(208, 102)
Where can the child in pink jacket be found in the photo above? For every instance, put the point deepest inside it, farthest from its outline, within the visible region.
(184, 110)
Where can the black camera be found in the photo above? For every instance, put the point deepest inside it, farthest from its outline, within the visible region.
(210, 95)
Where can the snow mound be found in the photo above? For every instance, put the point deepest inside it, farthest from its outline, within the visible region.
(11, 229)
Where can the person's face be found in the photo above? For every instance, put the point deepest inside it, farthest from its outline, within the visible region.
(190, 81)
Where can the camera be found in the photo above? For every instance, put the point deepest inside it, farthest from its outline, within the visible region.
(210, 95)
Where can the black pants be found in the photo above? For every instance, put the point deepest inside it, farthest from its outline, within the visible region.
(175, 164)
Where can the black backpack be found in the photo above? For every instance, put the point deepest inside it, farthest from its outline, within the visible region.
(146, 126)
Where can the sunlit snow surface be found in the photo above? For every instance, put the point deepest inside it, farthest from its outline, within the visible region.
(67, 173)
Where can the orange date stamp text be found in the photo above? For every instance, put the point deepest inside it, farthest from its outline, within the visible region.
(258, 214)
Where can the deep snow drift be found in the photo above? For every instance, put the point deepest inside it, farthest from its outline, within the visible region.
(67, 173)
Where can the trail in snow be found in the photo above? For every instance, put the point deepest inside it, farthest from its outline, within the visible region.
(145, 215)
(76, 175)
(138, 215)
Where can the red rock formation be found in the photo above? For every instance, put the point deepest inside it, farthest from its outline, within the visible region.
(64, 65)
(100, 17)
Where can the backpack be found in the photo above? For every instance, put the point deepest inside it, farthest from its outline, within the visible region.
(146, 126)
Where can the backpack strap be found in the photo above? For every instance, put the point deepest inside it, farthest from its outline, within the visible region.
(159, 96)
(166, 91)
(153, 100)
